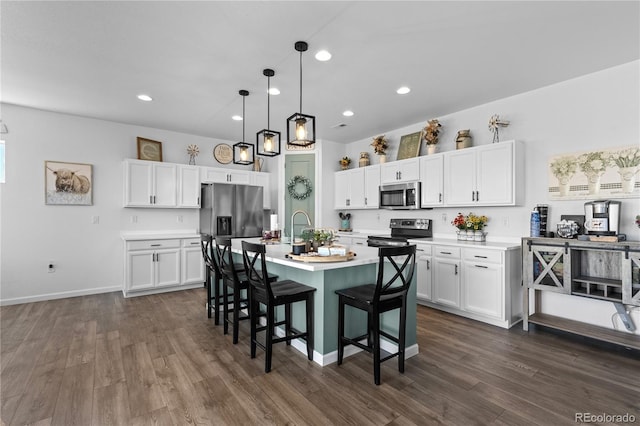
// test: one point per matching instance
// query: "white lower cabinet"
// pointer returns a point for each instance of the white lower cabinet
(424, 277)
(446, 276)
(161, 264)
(472, 280)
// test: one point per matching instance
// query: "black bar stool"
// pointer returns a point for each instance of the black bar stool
(385, 295)
(213, 277)
(273, 294)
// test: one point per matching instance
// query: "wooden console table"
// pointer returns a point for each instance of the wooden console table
(607, 271)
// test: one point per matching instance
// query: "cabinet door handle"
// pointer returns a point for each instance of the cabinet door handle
(477, 196)
(456, 269)
(480, 257)
(198, 200)
(195, 243)
(445, 252)
(428, 265)
(481, 266)
(150, 199)
(419, 249)
(156, 245)
(365, 201)
(473, 196)
(440, 198)
(400, 174)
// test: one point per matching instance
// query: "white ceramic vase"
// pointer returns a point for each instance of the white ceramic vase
(431, 149)
(383, 158)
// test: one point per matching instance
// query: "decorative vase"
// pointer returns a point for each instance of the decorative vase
(364, 159)
(463, 139)
(461, 234)
(594, 183)
(479, 235)
(563, 185)
(628, 178)
(431, 149)
(383, 158)
(470, 235)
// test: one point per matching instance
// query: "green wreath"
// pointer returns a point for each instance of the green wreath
(293, 183)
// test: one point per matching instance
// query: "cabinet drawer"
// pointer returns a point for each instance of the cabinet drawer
(479, 255)
(447, 252)
(153, 244)
(423, 249)
(191, 242)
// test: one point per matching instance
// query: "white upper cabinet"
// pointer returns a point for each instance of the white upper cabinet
(432, 178)
(150, 184)
(357, 188)
(488, 175)
(214, 174)
(400, 171)
(189, 186)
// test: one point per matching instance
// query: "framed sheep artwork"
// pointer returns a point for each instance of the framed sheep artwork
(68, 184)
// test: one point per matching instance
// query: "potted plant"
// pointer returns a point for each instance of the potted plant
(380, 146)
(460, 222)
(344, 162)
(628, 162)
(431, 132)
(470, 227)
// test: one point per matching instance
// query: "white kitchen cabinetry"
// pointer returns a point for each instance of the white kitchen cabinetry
(189, 186)
(481, 281)
(216, 175)
(150, 184)
(162, 264)
(488, 175)
(432, 178)
(357, 188)
(400, 171)
(192, 262)
(446, 276)
(424, 276)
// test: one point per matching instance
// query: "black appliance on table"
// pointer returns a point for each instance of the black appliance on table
(402, 230)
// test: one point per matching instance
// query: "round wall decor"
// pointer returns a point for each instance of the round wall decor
(223, 153)
(293, 187)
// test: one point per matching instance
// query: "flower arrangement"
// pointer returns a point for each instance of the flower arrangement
(431, 131)
(344, 162)
(470, 222)
(593, 162)
(626, 158)
(379, 145)
(564, 167)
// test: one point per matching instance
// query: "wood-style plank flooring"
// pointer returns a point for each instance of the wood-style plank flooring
(158, 360)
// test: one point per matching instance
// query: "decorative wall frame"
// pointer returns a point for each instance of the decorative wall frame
(409, 146)
(605, 173)
(149, 150)
(68, 183)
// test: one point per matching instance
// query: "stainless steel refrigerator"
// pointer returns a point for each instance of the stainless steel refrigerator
(231, 210)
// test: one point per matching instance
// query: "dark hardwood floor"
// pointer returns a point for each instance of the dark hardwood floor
(158, 360)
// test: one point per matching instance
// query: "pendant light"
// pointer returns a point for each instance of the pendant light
(301, 128)
(268, 141)
(242, 151)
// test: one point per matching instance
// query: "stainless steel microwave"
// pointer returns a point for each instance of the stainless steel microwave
(400, 196)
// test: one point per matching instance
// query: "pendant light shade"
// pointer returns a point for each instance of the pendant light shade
(268, 141)
(242, 151)
(301, 128)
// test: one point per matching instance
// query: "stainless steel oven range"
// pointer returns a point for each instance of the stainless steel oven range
(402, 230)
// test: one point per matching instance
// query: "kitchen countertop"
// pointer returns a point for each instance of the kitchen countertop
(158, 235)
(276, 253)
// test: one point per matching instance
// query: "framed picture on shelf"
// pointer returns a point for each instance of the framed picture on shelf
(409, 146)
(68, 184)
(149, 150)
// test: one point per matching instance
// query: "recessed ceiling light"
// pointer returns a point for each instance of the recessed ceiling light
(323, 55)
(145, 98)
(237, 118)
(403, 90)
(274, 91)
(348, 113)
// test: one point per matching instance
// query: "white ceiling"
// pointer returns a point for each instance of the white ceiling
(93, 58)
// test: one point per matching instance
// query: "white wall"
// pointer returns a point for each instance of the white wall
(595, 111)
(89, 258)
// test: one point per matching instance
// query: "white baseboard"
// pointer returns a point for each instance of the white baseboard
(59, 295)
(159, 290)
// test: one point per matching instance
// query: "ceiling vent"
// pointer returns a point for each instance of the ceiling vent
(339, 125)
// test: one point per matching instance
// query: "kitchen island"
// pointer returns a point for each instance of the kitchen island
(326, 278)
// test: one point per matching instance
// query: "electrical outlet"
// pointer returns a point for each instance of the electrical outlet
(179, 218)
(444, 217)
(134, 219)
(505, 220)
(51, 267)
(95, 220)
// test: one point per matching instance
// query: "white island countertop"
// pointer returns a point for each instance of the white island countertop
(276, 253)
